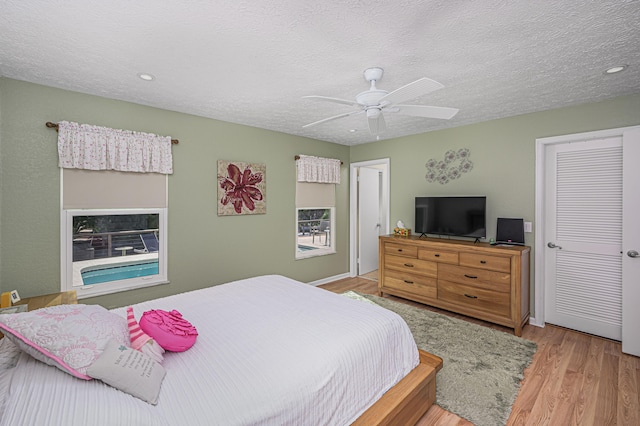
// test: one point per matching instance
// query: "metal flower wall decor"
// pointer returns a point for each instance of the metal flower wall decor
(455, 163)
(242, 188)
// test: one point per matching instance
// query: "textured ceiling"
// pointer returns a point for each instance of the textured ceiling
(251, 62)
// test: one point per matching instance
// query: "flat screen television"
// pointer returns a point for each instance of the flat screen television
(451, 216)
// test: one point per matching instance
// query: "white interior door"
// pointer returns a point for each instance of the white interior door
(583, 236)
(368, 219)
(631, 244)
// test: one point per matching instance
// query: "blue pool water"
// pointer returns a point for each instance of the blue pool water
(120, 272)
(305, 248)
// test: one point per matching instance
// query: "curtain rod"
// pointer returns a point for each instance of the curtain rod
(297, 157)
(55, 126)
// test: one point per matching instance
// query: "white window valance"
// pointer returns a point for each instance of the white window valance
(84, 146)
(318, 169)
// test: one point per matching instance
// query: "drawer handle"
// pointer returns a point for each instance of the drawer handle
(483, 261)
(436, 255)
(408, 265)
(408, 282)
(399, 249)
(470, 276)
(470, 296)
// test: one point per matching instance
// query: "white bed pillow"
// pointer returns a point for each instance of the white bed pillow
(129, 370)
(69, 337)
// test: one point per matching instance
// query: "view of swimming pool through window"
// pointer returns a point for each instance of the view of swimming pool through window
(119, 272)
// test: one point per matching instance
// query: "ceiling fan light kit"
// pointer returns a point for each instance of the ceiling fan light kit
(375, 102)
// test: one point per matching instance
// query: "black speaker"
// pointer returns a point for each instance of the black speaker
(510, 231)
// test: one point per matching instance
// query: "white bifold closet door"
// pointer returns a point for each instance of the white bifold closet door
(583, 271)
(592, 235)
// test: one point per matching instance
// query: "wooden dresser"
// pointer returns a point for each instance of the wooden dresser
(479, 280)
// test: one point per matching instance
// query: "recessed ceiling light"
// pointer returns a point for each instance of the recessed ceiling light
(353, 130)
(614, 70)
(146, 77)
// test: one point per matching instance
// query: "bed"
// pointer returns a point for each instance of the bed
(270, 350)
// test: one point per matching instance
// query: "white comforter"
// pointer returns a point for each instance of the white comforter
(270, 351)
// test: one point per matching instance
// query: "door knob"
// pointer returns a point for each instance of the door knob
(633, 253)
(551, 245)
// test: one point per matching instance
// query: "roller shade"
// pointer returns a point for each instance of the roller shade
(310, 195)
(88, 189)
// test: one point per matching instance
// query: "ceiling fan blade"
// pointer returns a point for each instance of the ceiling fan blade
(412, 90)
(377, 124)
(335, 117)
(335, 100)
(426, 111)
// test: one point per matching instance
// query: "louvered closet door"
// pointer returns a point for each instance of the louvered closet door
(583, 272)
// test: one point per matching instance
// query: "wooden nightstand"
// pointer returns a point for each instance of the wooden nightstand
(37, 302)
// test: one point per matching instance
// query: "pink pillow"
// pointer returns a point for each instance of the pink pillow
(169, 329)
(69, 337)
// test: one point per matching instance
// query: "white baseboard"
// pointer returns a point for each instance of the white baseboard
(329, 279)
(533, 321)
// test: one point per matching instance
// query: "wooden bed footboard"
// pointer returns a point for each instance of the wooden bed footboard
(409, 399)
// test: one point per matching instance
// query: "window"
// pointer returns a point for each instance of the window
(110, 250)
(315, 219)
(314, 236)
(113, 231)
(315, 205)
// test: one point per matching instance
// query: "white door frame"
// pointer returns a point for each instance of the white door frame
(353, 206)
(540, 242)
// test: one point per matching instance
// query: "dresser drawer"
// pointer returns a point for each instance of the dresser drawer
(401, 250)
(492, 263)
(413, 266)
(480, 278)
(476, 298)
(440, 256)
(416, 284)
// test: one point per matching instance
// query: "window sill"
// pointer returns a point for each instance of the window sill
(314, 253)
(102, 290)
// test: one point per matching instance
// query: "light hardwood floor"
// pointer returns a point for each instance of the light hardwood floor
(574, 378)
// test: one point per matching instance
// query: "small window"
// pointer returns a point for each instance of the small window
(315, 236)
(106, 251)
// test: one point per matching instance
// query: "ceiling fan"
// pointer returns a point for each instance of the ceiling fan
(374, 102)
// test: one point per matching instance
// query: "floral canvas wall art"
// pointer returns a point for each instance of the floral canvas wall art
(242, 188)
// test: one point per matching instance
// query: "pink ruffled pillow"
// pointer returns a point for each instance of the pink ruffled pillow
(169, 329)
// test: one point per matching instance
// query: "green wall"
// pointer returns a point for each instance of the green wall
(503, 154)
(204, 249)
